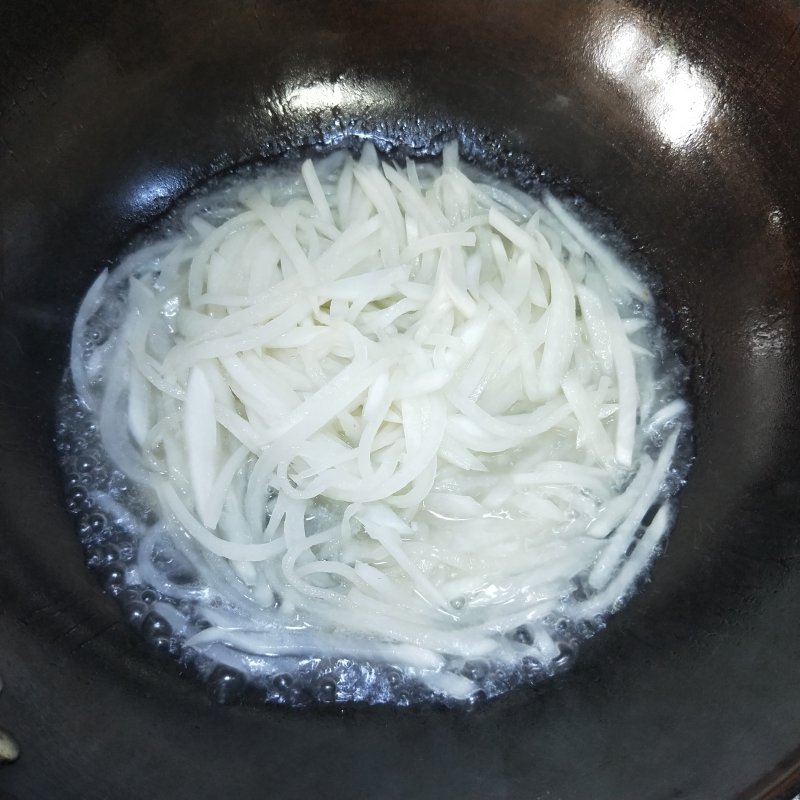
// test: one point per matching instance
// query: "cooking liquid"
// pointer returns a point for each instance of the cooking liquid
(171, 589)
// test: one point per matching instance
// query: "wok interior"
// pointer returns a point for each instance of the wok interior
(680, 128)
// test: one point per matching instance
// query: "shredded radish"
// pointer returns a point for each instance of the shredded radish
(400, 401)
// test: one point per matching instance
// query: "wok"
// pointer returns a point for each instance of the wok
(680, 121)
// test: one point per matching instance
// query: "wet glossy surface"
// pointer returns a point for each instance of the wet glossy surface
(680, 121)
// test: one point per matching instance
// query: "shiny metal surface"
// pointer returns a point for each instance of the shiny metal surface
(680, 121)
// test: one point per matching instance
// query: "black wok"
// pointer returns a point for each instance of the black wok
(680, 121)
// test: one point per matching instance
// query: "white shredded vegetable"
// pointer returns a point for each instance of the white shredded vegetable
(401, 401)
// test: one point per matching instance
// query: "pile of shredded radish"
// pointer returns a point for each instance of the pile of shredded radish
(403, 402)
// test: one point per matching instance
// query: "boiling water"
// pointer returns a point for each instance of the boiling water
(246, 637)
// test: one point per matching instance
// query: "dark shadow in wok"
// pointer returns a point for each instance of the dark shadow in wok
(680, 123)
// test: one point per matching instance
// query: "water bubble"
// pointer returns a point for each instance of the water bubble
(300, 696)
(775, 217)
(154, 626)
(531, 668)
(283, 682)
(126, 549)
(394, 677)
(326, 690)
(161, 644)
(477, 698)
(110, 550)
(95, 523)
(135, 612)
(76, 497)
(100, 474)
(99, 335)
(523, 636)
(475, 670)
(113, 575)
(226, 685)
(85, 464)
(565, 657)
(131, 594)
